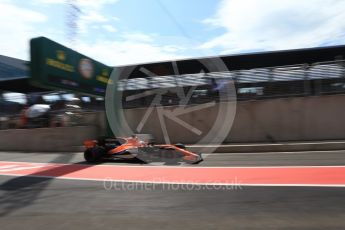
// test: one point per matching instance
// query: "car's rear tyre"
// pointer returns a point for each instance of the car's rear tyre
(94, 155)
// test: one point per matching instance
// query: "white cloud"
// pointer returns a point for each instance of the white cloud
(93, 17)
(89, 18)
(83, 3)
(109, 28)
(90, 12)
(115, 18)
(124, 48)
(130, 51)
(50, 1)
(272, 24)
(94, 4)
(137, 36)
(17, 27)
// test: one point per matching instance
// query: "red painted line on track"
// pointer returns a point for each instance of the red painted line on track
(297, 175)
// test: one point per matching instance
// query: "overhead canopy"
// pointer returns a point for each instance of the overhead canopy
(246, 61)
(14, 76)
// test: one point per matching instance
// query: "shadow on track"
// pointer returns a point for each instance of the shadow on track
(22, 191)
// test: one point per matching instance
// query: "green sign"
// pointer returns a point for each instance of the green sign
(55, 66)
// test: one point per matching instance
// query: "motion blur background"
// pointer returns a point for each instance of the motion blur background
(291, 95)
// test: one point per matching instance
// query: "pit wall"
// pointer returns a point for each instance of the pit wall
(59, 139)
(315, 118)
(46, 139)
(274, 120)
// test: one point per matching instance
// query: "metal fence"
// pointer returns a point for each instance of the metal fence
(251, 84)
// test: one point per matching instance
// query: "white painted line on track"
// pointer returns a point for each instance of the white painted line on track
(274, 153)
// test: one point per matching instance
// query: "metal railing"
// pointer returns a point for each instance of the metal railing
(251, 84)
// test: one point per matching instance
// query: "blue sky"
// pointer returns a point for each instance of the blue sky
(118, 32)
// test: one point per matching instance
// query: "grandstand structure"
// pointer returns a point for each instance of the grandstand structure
(257, 76)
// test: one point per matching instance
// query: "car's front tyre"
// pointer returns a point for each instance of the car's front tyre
(94, 155)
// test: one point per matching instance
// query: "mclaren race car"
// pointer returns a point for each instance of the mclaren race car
(138, 149)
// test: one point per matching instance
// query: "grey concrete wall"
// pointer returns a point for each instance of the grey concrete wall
(97, 119)
(290, 119)
(203, 120)
(274, 120)
(46, 139)
(92, 125)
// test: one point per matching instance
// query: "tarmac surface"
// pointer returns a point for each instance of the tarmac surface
(48, 203)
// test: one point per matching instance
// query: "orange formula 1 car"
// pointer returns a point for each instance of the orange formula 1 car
(137, 148)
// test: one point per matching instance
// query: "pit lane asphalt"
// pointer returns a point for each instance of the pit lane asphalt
(46, 203)
(214, 159)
